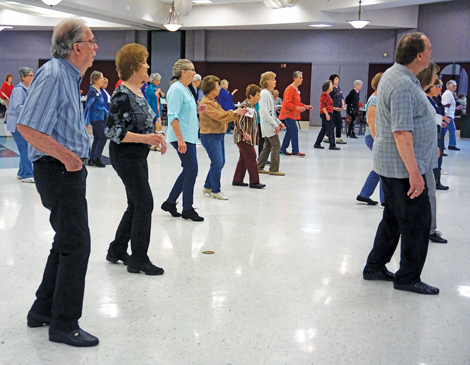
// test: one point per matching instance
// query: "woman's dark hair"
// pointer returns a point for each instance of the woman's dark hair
(209, 83)
(333, 77)
(251, 90)
(326, 85)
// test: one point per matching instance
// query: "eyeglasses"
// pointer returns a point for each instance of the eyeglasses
(93, 41)
(191, 69)
(30, 75)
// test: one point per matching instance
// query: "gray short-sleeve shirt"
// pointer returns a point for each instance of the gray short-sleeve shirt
(402, 105)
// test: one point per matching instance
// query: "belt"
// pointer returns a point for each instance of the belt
(53, 159)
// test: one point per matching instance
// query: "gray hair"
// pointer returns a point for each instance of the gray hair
(24, 71)
(180, 65)
(66, 33)
(451, 83)
(358, 82)
(197, 77)
(154, 76)
(296, 74)
(95, 76)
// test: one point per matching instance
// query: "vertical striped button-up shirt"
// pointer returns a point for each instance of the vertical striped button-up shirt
(53, 107)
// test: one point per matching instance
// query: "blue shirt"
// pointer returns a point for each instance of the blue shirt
(225, 100)
(152, 99)
(94, 107)
(182, 106)
(17, 98)
(53, 107)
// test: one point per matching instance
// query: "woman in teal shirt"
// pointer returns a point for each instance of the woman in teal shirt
(182, 134)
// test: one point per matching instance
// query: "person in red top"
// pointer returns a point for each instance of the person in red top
(326, 112)
(5, 92)
(290, 114)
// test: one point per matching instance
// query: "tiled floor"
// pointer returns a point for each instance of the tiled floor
(283, 287)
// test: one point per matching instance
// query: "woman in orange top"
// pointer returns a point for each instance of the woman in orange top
(290, 114)
(5, 92)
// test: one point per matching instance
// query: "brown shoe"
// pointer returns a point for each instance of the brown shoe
(277, 173)
(263, 171)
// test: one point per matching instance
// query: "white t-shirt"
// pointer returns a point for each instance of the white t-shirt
(448, 98)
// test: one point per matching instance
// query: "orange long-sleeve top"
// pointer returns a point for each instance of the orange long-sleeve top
(290, 102)
(215, 119)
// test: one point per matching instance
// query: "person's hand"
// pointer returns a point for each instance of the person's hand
(416, 185)
(246, 136)
(282, 125)
(155, 139)
(202, 108)
(438, 152)
(444, 124)
(182, 146)
(309, 107)
(300, 109)
(163, 146)
(73, 164)
(337, 109)
(446, 119)
(234, 91)
(327, 116)
(241, 111)
(276, 130)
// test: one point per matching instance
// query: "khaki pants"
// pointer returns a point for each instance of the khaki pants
(271, 145)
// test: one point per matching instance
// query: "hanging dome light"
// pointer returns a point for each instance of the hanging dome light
(359, 23)
(51, 2)
(173, 22)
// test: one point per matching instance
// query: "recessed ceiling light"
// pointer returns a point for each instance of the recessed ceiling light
(320, 25)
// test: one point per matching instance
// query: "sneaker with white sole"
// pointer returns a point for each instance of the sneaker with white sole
(28, 180)
(206, 191)
(219, 196)
(340, 141)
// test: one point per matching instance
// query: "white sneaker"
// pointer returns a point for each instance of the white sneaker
(206, 191)
(28, 180)
(18, 177)
(219, 196)
(443, 172)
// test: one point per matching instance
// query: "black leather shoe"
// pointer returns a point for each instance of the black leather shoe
(384, 275)
(35, 320)
(318, 146)
(444, 154)
(192, 214)
(334, 148)
(353, 136)
(148, 269)
(363, 199)
(420, 288)
(454, 148)
(99, 163)
(112, 257)
(437, 237)
(239, 183)
(77, 338)
(170, 208)
(257, 186)
(441, 187)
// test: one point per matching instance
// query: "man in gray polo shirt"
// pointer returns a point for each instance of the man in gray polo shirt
(404, 148)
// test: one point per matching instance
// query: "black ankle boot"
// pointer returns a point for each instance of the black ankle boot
(170, 208)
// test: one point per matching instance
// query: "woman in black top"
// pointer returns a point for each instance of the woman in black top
(352, 100)
(130, 127)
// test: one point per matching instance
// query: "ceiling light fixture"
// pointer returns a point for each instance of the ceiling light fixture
(279, 4)
(321, 25)
(359, 23)
(51, 2)
(173, 22)
(5, 27)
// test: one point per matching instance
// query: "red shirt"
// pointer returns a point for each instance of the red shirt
(289, 104)
(326, 102)
(7, 89)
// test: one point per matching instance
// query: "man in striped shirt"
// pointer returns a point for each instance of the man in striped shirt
(52, 122)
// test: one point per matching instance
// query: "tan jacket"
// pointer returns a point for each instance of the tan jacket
(215, 119)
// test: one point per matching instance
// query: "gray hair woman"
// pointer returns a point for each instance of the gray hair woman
(17, 99)
(352, 101)
(154, 93)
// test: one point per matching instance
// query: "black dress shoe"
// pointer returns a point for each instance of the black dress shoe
(170, 208)
(192, 214)
(99, 163)
(441, 187)
(318, 146)
(444, 154)
(334, 148)
(112, 257)
(384, 275)
(420, 288)
(257, 186)
(437, 237)
(35, 320)
(353, 136)
(148, 269)
(239, 183)
(454, 148)
(77, 338)
(363, 199)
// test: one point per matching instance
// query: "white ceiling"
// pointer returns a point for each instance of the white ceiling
(222, 14)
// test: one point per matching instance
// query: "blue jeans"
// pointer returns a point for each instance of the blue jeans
(215, 147)
(26, 166)
(186, 180)
(373, 179)
(292, 133)
(452, 129)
